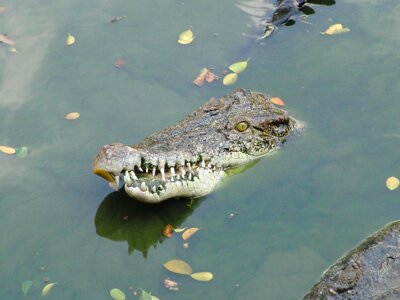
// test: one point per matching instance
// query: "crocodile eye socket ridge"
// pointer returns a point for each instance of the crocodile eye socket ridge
(242, 126)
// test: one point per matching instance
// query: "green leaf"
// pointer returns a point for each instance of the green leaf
(239, 66)
(26, 286)
(145, 295)
(230, 79)
(117, 294)
(178, 266)
(21, 152)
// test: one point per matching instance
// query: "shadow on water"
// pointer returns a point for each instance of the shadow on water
(121, 218)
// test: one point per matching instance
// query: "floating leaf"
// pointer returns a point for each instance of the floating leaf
(6, 40)
(230, 78)
(154, 297)
(188, 233)
(12, 50)
(72, 116)
(70, 40)
(117, 294)
(7, 150)
(47, 288)
(26, 286)
(202, 276)
(21, 152)
(392, 183)
(239, 66)
(180, 229)
(178, 266)
(335, 29)
(277, 101)
(145, 295)
(168, 230)
(186, 37)
(206, 75)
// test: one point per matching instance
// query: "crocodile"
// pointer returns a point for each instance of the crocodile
(192, 157)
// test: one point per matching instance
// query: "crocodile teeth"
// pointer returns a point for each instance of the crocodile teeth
(143, 187)
(189, 166)
(172, 171)
(182, 172)
(162, 171)
(203, 164)
(154, 171)
(190, 176)
(140, 169)
(127, 178)
(153, 189)
(147, 169)
(133, 175)
(114, 185)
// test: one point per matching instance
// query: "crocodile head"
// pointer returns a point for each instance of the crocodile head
(190, 158)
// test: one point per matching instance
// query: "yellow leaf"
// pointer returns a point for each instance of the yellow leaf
(202, 276)
(178, 266)
(188, 233)
(392, 183)
(277, 101)
(186, 37)
(72, 116)
(117, 294)
(239, 66)
(47, 288)
(180, 229)
(7, 150)
(230, 79)
(335, 29)
(70, 40)
(12, 50)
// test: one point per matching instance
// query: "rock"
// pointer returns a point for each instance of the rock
(369, 271)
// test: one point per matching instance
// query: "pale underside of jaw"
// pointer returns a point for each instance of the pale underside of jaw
(196, 179)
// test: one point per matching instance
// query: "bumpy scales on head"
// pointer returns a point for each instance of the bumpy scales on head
(191, 158)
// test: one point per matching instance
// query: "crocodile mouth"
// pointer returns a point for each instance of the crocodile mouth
(155, 183)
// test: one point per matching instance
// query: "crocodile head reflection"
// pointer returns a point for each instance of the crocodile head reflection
(118, 218)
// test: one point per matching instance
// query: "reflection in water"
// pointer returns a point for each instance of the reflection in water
(266, 15)
(121, 218)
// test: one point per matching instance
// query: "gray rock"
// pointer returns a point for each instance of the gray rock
(369, 271)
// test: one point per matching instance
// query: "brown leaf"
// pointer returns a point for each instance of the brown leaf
(206, 75)
(6, 40)
(277, 101)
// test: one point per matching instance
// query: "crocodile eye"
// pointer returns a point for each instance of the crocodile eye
(242, 126)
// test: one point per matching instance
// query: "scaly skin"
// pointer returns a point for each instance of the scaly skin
(190, 158)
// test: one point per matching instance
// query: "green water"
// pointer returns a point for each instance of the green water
(297, 210)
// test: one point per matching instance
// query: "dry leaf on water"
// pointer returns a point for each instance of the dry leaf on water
(117, 294)
(239, 66)
(202, 276)
(7, 150)
(72, 116)
(6, 40)
(205, 75)
(189, 232)
(180, 229)
(230, 78)
(47, 288)
(186, 37)
(335, 29)
(178, 266)
(392, 183)
(277, 101)
(70, 40)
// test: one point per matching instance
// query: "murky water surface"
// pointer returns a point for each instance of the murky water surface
(297, 210)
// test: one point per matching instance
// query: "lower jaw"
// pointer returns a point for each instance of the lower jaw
(201, 185)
